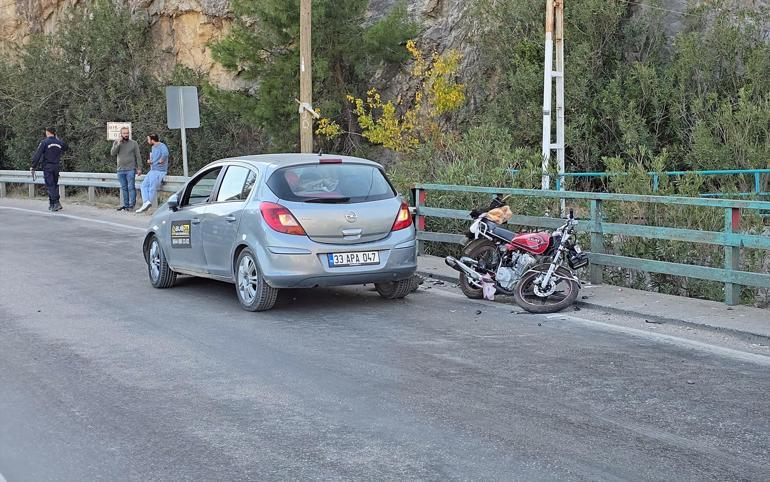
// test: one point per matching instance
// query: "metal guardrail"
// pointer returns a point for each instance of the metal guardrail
(90, 180)
(730, 238)
(756, 174)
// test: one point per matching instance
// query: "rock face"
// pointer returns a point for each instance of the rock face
(182, 28)
(673, 21)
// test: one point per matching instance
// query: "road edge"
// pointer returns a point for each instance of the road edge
(743, 334)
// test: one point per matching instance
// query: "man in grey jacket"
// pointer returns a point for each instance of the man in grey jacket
(129, 162)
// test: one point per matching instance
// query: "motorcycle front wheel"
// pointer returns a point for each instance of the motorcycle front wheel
(531, 297)
(484, 252)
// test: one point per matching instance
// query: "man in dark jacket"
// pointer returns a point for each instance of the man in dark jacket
(48, 155)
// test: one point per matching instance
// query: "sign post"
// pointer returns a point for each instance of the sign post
(183, 113)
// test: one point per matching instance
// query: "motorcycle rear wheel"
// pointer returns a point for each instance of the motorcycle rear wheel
(565, 293)
(481, 250)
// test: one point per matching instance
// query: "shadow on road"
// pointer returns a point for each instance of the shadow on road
(290, 300)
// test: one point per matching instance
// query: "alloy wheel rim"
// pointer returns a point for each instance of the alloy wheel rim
(247, 279)
(155, 261)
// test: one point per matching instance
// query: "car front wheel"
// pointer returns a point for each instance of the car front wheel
(161, 275)
(254, 293)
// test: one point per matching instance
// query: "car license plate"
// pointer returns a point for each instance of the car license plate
(353, 259)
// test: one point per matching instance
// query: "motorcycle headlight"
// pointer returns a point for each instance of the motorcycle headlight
(578, 260)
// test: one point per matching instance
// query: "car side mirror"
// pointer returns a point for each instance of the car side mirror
(173, 202)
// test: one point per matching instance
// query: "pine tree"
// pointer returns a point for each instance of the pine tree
(263, 48)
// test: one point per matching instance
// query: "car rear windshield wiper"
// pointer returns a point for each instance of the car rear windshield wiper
(327, 200)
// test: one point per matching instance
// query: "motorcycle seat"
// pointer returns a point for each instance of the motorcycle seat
(501, 232)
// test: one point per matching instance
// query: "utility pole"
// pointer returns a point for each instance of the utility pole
(554, 34)
(305, 77)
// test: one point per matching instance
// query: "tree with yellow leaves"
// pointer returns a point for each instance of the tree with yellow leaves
(402, 128)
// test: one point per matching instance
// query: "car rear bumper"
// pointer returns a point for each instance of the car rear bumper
(285, 267)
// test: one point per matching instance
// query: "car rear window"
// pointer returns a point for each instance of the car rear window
(330, 183)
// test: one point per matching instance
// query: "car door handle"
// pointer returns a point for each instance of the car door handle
(195, 221)
(230, 219)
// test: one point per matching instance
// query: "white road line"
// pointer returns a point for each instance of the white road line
(728, 352)
(71, 216)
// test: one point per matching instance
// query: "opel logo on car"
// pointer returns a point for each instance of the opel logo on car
(351, 217)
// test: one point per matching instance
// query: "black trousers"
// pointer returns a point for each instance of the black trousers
(51, 176)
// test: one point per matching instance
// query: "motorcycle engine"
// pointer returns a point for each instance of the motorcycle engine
(522, 264)
(508, 276)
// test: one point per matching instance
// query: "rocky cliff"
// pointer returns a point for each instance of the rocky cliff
(182, 28)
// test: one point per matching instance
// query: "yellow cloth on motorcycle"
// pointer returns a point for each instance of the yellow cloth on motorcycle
(500, 215)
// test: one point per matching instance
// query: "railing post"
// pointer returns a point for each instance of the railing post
(597, 240)
(655, 182)
(732, 255)
(3, 192)
(757, 183)
(62, 191)
(31, 188)
(419, 200)
(92, 194)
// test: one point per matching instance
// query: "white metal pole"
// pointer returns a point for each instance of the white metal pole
(559, 44)
(547, 82)
(184, 134)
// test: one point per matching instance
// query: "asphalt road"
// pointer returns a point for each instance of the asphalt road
(103, 377)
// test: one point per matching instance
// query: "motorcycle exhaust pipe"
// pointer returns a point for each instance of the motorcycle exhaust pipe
(462, 266)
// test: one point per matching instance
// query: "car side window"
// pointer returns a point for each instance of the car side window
(200, 191)
(236, 184)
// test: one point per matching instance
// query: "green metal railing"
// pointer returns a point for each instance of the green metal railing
(730, 238)
(755, 174)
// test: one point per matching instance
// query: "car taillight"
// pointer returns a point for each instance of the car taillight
(404, 218)
(280, 219)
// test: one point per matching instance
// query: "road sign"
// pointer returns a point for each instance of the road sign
(182, 107)
(113, 130)
(182, 113)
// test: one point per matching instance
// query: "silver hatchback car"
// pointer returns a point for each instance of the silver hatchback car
(276, 221)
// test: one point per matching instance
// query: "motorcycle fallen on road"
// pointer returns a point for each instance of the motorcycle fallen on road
(537, 269)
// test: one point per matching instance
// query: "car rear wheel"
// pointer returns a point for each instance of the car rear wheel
(161, 275)
(394, 290)
(254, 293)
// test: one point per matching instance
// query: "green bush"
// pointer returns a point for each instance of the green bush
(703, 98)
(99, 68)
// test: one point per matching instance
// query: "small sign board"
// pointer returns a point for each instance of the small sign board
(113, 130)
(182, 107)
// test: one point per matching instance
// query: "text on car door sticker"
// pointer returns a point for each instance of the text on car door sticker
(180, 234)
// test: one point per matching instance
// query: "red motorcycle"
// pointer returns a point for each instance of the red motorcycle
(537, 269)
